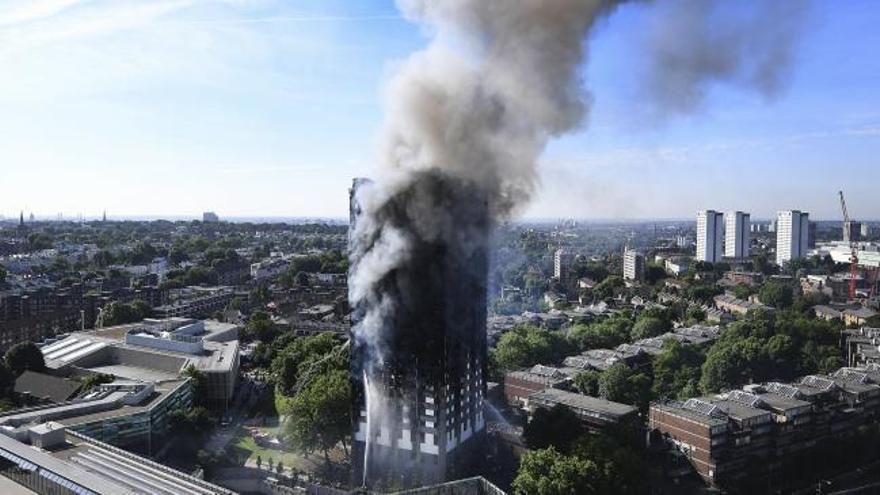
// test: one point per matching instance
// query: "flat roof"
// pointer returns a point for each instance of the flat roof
(679, 410)
(160, 392)
(782, 403)
(583, 402)
(739, 411)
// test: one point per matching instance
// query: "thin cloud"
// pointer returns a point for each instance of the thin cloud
(293, 19)
(35, 10)
(268, 170)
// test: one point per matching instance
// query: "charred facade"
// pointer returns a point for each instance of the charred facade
(418, 369)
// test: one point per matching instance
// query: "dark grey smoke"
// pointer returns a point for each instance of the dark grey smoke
(692, 45)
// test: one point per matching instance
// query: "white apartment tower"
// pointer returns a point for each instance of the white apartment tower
(633, 265)
(710, 236)
(562, 261)
(792, 235)
(737, 226)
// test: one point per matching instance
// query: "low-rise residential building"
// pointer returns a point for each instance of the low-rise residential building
(862, 346)
(196, 302)
(747, 278)
(519, 385)
(676, 266)
(733, 304)
(755, 432)
(595, 413)
(269, 268)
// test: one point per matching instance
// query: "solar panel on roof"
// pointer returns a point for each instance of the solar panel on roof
(851, 375)
(783, 389)
(703, 407)
(817, 382)
(743, 397)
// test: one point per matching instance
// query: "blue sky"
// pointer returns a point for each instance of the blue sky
(269, 108)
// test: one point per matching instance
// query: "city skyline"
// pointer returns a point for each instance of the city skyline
(269, 110)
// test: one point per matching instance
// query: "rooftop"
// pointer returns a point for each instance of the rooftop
(582, 402)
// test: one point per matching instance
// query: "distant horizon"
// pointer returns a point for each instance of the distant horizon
(341, 219)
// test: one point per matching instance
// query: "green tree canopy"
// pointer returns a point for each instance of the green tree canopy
(299, 355)
(765, 346)
(777, 294)
(649, 326)
(587, 382)
(24, 356)
(556, 427)
(621, 384)
(528, 345)
(319, 413)
(547, 472)
(604, 334)
(677, 371)
(120, 313)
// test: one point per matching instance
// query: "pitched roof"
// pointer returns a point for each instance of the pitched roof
(41, 385)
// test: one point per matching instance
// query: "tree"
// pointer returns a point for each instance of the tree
(528, 345)
(677, 371)
(703, 293)
(608, 288)
(587, 382)
(2, 274)
(646, 327)
(654, 273)
(279, 468)
(91, 381)
(319, 413)
(120, 313)
(259, 462)
(620, 384)
(742, 291)
(7, 381)
(547, 472)
(298, 356)
(196, 422)
(260, 326)
(199, 384)
(620, 458)
(777, 294)
(605, 334)
(556, 427)
(24, 356)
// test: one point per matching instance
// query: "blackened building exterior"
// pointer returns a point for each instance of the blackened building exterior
(419, 373)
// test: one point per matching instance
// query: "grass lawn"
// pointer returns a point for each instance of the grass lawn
(246, 443)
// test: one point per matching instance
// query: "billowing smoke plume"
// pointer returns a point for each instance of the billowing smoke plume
(467, 119)
(500, 78)
(693, 44)
(478, 105)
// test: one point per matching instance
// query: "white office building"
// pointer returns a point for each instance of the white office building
(792, 235)
(710, 236)
(737, 228)
(633, 265)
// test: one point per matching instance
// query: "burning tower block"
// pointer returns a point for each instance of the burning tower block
(419, 331)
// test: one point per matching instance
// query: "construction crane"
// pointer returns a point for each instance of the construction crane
(853, 246)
